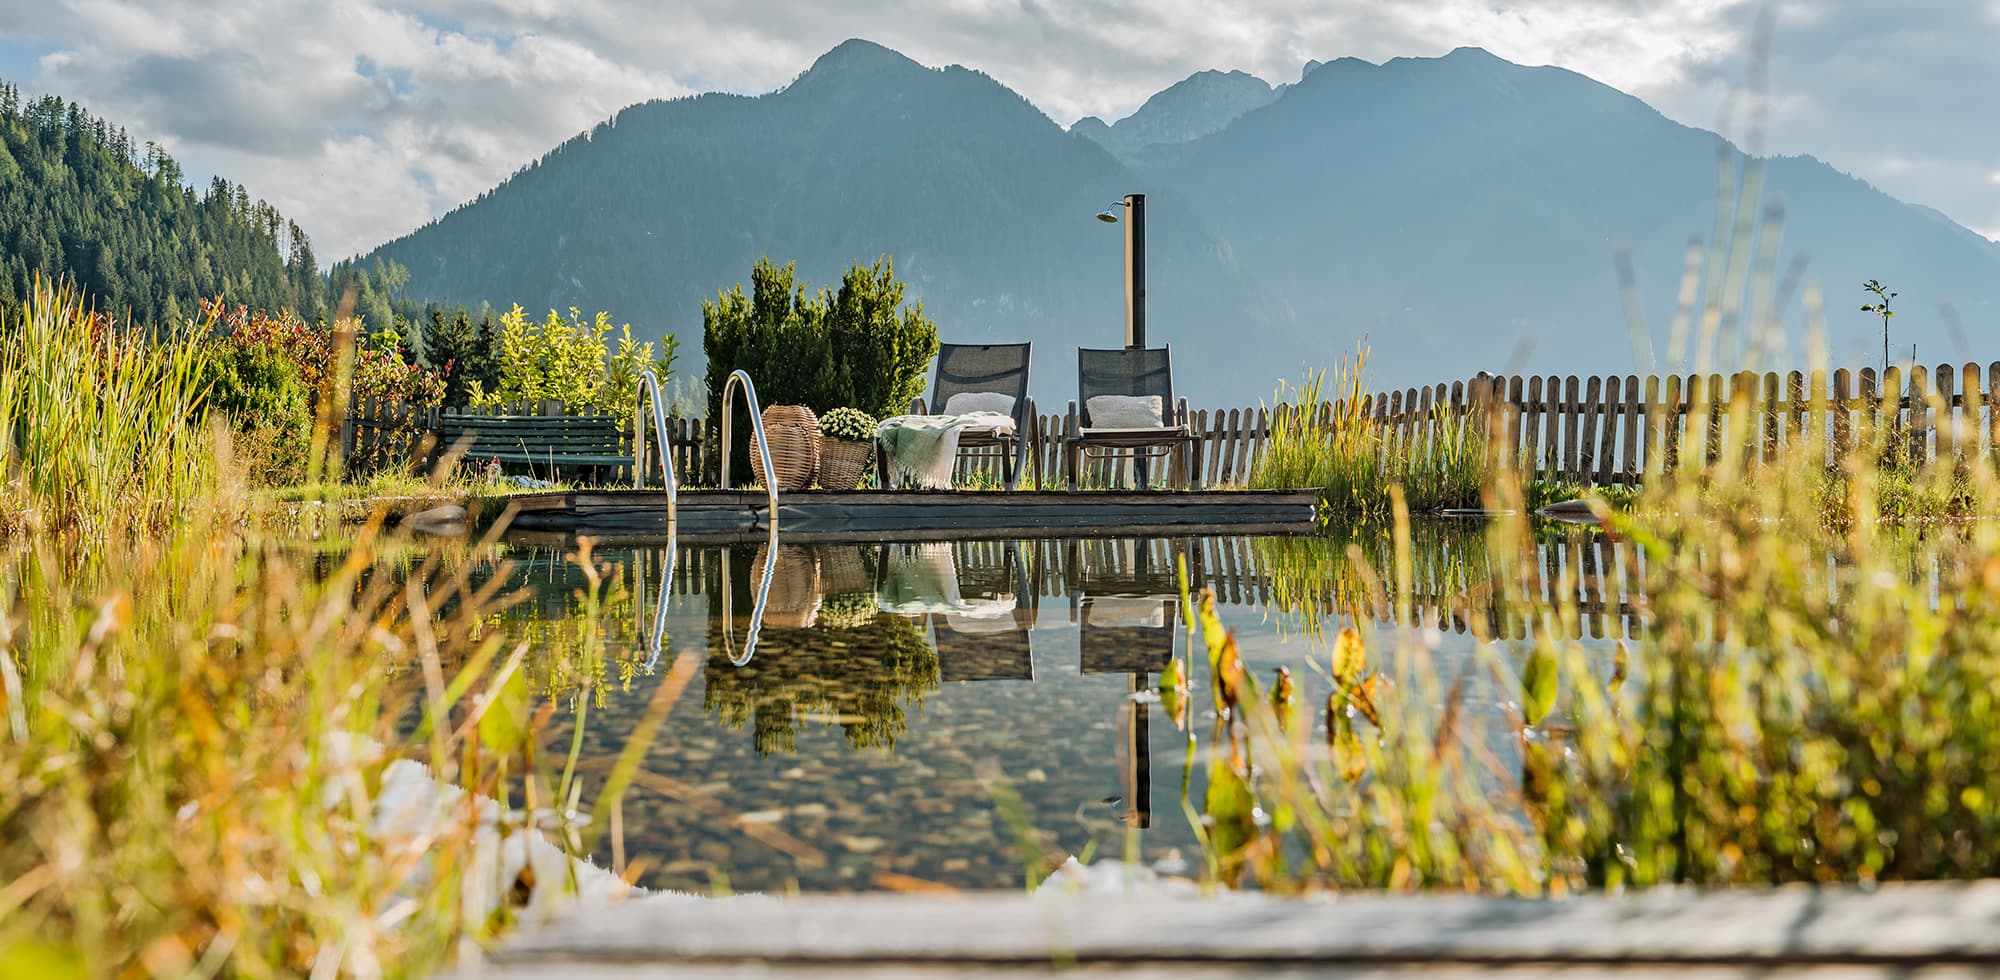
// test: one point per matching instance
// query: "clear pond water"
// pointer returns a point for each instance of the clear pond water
(873, 727)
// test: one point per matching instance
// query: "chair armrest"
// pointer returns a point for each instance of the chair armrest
(1070, 422)
(1028, 427)
(917, 406)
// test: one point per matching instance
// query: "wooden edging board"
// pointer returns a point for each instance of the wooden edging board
(878, 512)
(1892, 929)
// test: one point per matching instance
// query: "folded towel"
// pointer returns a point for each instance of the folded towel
(923, 448)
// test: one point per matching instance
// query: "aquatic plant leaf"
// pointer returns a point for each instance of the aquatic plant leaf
(503, 726)
(1231, 811)
(1619, 670)
(1284, 700)
(1362, 697)
(1537, 772)
(1538, 685)
(1174, 705)
(1350, 656)
(1173, 678)
(1348, 754)
(1232, 681)
(1213, 633)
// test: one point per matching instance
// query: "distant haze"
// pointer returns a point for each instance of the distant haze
(1456, 214)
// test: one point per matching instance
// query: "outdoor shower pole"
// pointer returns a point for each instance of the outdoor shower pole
(1135, 270)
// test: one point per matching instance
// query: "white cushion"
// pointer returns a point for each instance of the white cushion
(966, 402)
(1125, 412)
(1126, 611)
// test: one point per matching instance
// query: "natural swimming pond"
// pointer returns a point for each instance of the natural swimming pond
(897, 714)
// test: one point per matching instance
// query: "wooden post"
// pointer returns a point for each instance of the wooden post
(1918, 402)
(1552, 427)
(1942, 402)
(1586, 453)
(1842, 424)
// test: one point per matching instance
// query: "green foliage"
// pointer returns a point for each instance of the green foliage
(857, 346)
(267, 372)
(848, 423)
(263, 391)
(467, 354)
(79, 200)
(565, 359)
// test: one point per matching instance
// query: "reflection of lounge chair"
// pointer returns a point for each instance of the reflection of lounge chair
(1126, 602)
(982, 371)
(980, 612)
(988, 647)
(1125, 406)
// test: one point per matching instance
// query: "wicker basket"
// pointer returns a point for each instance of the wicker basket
(842, 462)
(793, 602)
(793, 432)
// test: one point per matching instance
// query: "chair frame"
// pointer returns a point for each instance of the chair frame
(1176, 441)
(1019, 450)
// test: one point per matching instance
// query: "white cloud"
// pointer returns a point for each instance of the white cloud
(364, 118)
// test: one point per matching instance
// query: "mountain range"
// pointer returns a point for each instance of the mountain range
(1453, 214)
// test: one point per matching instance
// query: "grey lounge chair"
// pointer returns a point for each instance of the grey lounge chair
(1001, 368)
(1129, 371)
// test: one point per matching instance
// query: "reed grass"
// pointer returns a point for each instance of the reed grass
(1353, 460)
(103, 426)
(194, 734)
(1810, 697)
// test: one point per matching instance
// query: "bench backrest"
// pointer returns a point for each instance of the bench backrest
(557, 434)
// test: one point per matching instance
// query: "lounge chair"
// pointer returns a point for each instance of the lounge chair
(1124, 396)
(985, 369)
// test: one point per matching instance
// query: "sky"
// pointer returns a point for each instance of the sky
(362, 119)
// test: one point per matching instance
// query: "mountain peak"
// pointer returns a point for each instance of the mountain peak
(856, 56)
(1191, 108)
(1471, 53)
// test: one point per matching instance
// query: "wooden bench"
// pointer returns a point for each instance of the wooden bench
(549, 441)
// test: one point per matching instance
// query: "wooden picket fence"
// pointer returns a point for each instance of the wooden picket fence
(1610, 429)
(1602, 429)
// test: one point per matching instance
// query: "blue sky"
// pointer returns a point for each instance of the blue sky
(364, 118)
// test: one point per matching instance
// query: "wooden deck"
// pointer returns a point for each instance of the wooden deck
(1922, 930)
(914, 513)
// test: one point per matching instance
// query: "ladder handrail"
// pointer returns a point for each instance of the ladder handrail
(649, 392)
(741, 379)
(756, 610)
(656, 640)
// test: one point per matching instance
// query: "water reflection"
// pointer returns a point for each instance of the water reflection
(863, 698)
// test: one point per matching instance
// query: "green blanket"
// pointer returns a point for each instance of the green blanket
(922, 448)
